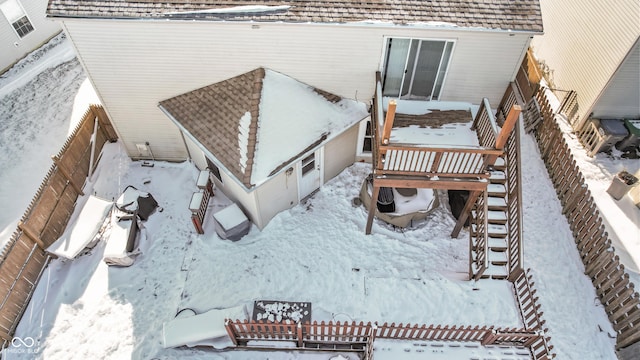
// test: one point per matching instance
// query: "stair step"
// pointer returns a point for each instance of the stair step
(496, 203)
(498, 258)
(500, 164)
(496, 190)
(497, 244)
(497, 177)
(494, 230)
(496, 272)
(494, 216)
(497, 216)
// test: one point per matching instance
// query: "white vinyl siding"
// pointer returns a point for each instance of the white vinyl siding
(277, 194)
(13, 46)
(150, 61)
(584, 43)
(340, 153)
(246, 200)
(621, 98)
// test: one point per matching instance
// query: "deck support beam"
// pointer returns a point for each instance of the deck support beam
(465, 213)
(372, 207)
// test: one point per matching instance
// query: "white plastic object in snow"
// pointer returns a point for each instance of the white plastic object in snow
(231, 223)
(203, 329)
(82, 228)
(124, 233)
(128, 201)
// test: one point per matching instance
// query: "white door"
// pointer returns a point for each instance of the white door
(309, 174)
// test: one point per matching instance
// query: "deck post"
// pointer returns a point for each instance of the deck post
(465, 213)
(388, 122)
(508, 126)
(372, 207)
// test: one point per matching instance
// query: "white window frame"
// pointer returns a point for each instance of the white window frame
(16, 19)
(385, 47)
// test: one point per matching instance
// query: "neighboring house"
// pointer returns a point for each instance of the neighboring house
(592, 47)
(23, 28)
(146, 58)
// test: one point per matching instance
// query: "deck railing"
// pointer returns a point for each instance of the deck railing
(403, 159)
(478, 243)
(513, 184)
(429, 161)
(485, 125)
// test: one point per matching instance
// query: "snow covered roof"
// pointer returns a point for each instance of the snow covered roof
(521, 15)
(257, 123)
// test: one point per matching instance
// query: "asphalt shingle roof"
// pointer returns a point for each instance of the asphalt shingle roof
(257, 123)
(212, 115)
(521, 15)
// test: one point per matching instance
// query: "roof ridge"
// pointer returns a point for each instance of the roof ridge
(254, 109)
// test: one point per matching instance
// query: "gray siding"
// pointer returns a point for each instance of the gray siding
(584, 43)
(149, 61)
(621, 97)
(12, 47)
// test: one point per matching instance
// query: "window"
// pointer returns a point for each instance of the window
(415, 69)
(364, 147)
(214, 170)
(14, 13)
(367, 142)
(308, 164)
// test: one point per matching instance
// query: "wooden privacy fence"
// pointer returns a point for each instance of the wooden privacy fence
(23, 258)
(609, 277)
(359, 337)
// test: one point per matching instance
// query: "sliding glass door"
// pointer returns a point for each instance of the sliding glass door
(415, 69)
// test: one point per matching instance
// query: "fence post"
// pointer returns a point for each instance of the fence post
(299, 335)
(229, 326)
(489, 338)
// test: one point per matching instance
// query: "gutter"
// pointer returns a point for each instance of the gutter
(363, 23)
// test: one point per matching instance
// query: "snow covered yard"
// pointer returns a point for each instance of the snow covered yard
(42, 98)
(316, 252)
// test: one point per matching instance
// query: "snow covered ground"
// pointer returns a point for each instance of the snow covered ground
(42, 98)
(315, 252)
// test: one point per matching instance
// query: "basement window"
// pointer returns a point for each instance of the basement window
(15, 14)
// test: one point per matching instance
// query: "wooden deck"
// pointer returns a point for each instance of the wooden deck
(417, 159)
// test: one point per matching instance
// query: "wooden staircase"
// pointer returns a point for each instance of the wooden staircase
(497, 243)
(496, 216)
